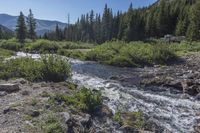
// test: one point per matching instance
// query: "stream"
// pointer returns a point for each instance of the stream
(164, 107)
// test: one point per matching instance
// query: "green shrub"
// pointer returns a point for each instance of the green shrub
(51, 68)
(162, 54)
(55, 68)
(84, 100)
(135, 120)
(11, 44)
(132, 54)
(72, 53)
(42, 46)
(21, 68)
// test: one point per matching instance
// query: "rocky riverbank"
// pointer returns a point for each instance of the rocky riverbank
(183, 76)
(28, 107)
(25, 107)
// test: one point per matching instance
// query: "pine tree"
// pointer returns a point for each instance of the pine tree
(58, 34)
(163, 18)
(181, 27)
(31, 25)
(194, 27)
(91, 27)
(21, 29)
(1, 33)
(107, 24)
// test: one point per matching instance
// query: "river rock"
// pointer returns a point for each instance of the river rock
(9, 88)
(9, 109)
(34, 113)
(197, 97)
(21, 81)
(66, 116)
(3, 93)
(85, 121)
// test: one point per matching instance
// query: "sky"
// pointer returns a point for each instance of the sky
(58, 9)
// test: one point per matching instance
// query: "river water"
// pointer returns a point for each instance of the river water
(164, 107)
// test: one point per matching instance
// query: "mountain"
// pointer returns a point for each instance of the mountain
(42, 25)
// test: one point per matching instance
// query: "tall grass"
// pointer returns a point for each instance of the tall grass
(6, 53)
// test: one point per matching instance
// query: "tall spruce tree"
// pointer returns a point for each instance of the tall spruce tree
(31, 22)
(21, 29)
(194, 27)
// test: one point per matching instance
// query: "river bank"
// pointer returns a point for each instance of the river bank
(27, 107)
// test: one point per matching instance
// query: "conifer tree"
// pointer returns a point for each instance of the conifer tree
(21, 29)
(1, 33)
(194, 27)
(31, 25)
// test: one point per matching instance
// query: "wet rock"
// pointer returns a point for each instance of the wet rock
(174, 83)
(197, 97)
(77, 121)
(25, 93)
(3, 93)
(84, 121)
(114, 78)
(9, 88)
(189, 87)
(185, 96)
(132, 81)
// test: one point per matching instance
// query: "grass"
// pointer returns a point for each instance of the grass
(85, 100)
(52, 125)
(134, 54)
(6, 53)
(51, 68)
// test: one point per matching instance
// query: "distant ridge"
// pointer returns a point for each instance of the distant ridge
(42, 25)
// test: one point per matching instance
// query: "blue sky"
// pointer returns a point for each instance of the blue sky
(58, 9)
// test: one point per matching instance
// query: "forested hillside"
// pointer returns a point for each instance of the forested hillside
(178, 17)
(5, 33)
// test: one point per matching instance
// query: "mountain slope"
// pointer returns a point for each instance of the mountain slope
(42, 25)
(5, 29)
(5, 33)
